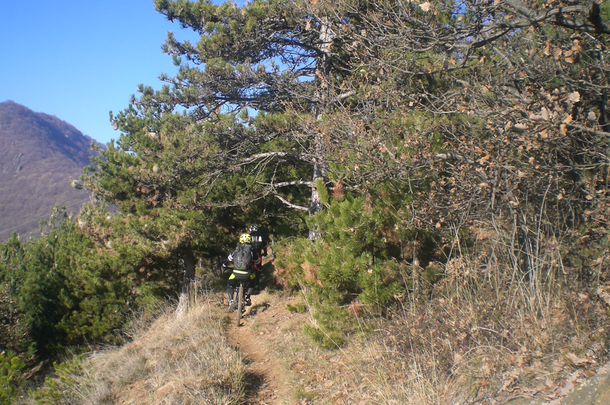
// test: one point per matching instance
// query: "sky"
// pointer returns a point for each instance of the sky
(78, 60)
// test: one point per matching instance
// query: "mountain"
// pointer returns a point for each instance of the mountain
(38, 155)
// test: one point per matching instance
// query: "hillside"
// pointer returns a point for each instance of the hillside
(408, 357)
(38, 154)
(202, 357)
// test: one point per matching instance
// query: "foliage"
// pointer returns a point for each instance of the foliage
(11, 366)
(14, 329)
(55, 389)
(65, 290)
(354, 264)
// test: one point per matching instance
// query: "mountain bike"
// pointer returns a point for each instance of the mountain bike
(241, 300)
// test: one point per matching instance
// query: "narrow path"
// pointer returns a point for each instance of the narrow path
(263, 379)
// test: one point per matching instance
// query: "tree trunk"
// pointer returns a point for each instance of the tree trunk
(188, 263)
(322, 77)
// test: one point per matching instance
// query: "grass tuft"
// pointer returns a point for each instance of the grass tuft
(184, 360)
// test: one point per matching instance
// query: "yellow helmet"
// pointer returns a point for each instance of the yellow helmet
(245, 238)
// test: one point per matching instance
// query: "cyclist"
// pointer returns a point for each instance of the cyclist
(242, 258)
(259, 248)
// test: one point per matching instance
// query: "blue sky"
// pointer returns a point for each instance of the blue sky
(78, 60)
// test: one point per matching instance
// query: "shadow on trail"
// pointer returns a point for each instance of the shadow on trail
(257, 308)
(256, 388)
(259, 384)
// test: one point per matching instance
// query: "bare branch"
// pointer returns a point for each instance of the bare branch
(289, 204)
(261, 156)
(292, 183)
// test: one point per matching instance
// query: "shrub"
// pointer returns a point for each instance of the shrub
(11, 376)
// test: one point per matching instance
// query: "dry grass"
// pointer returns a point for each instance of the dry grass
(177, 360)
(484, 336)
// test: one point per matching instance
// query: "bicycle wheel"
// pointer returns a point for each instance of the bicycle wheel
(240, 301)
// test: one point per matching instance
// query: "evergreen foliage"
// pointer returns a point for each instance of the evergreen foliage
(54, 389)
(11, 366)
(65, 290)
(355, 263)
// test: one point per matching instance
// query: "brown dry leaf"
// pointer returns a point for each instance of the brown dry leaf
(566, 389)
(563, 129)
(558, 366)
(597, 261)
(547, 49)
(574, 97)
(574, 360)
(576, 48)
(603, 295)
(486, 370)
(510, 378)
(425, 6)
(520, 127)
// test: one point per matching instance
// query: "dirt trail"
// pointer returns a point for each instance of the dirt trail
(264, 378)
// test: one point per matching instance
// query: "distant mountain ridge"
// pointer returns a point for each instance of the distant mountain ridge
(38, 154)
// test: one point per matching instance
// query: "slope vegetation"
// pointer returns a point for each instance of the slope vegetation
(38, 155)
(201, 357)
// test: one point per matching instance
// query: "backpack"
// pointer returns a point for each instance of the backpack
(242, 258)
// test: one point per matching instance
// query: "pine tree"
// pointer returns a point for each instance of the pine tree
(65, 290)
(411, 97)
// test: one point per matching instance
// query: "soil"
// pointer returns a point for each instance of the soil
(262, 380)
(261, 326)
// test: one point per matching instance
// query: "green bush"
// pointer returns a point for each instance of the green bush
(352, 265)
(11, 377)
(65, 291)
(66, 384)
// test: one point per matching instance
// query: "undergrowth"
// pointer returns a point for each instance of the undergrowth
(479, 335)
(484, 333)
(175, 359)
